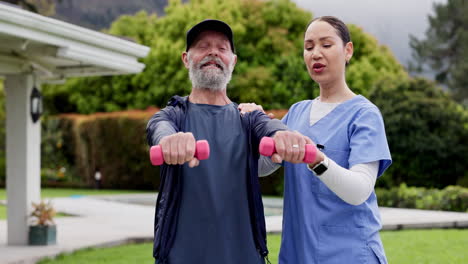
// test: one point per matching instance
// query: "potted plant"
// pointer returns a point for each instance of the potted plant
(42, 231)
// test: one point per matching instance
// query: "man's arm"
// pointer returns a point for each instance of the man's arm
(177, 147)
(266, 166)
(161, 124)
(264, 126)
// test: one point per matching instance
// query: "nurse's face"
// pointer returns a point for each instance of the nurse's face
(325, 54)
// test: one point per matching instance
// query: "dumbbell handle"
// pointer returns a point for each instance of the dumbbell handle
(267, 148)
(202, 152)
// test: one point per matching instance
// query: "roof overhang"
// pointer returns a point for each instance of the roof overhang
(55, 50)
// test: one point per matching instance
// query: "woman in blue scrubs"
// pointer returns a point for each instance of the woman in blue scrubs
(330, 207)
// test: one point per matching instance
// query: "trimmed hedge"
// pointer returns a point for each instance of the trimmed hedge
(451, 198)
(113, 143)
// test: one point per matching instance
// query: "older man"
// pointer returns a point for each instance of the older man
(211, 211)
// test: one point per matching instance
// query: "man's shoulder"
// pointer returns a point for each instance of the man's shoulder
(175, 103)
(177, 100)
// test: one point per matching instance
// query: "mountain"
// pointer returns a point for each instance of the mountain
(99, 14)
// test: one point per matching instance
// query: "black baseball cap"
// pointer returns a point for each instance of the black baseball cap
(209, 24)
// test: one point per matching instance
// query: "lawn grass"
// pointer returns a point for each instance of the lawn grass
(3, 214)
(402, 247)
(59, 192)
(127, 254)
(426, 246)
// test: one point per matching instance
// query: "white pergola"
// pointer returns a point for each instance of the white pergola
(35, 49)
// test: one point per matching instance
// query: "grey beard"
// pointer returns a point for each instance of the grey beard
(212, 79)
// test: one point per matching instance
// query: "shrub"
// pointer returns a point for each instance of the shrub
(451, 198)
(427, 133)
(55, 165)
(113, 143)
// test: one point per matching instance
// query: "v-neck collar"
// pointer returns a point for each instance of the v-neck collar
(336, 109)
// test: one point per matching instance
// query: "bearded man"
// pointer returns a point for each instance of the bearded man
(211, 211)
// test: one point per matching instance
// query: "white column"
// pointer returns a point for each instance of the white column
(23, 157)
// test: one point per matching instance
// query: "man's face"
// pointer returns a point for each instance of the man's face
(210, 61)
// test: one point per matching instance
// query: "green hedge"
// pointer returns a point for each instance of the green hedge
(113, 143)
(451, 198)
(74, 146)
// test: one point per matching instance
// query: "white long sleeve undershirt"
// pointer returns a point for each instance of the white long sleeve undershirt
(353, 186)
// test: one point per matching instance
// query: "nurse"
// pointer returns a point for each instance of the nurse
(330, 207)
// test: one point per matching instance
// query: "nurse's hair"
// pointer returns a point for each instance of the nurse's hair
(340, 27)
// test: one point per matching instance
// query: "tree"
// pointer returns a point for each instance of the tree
(370, 62)
(427, 132)
(445, 48)
(269, 44)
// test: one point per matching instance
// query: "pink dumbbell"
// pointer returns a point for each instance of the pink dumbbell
(202, 152)
(267, 148)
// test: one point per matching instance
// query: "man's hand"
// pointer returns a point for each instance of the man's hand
(250, 107)
(290, 146)
(179, 148)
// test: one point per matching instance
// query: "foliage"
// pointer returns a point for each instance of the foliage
(115, 144)
(451, 198)
(370, 63)
(446, 46)
(43, 213)
(426, 130)
(55, 166)
(89, 142)
(269, 45)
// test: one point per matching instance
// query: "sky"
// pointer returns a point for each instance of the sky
(390, 21)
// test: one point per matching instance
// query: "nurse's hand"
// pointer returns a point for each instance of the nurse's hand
(250, 107)
(178, 149)
(290, 146)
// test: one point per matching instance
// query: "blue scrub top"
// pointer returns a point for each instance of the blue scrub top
(319, 227)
